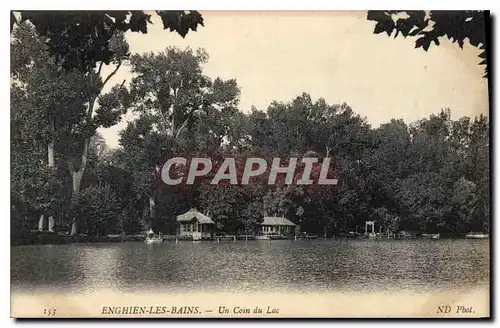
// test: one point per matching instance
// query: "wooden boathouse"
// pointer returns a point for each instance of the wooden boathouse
(196, 225)
(273, 226)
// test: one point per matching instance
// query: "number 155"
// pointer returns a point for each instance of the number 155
(49, 312)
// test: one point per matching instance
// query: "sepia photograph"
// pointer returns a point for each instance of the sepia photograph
(177, 164)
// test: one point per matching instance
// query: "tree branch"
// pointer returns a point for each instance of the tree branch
(181, 127)
(111, 75)
(99, 70)
(119, 88)
(83, 162)
(71, 166)
(94, 98)
(164, 122)
(121, 85)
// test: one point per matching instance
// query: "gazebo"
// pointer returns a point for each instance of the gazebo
(196, 225)
(272, 225)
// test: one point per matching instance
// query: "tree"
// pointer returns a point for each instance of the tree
(253, 207)
(224, 203)
(64, 108)
(171, 87)
(180, 109)
(386, 164)
(51, 97)
(142, 152)
(428, 27)
(470, 146)
(101, 209)
(46, 101)
(426, 200)
(464, 199)
(85, 41)
(82, 39)
(479, 153)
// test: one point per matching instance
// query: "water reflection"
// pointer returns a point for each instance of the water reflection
(319, 265)
(99, 265)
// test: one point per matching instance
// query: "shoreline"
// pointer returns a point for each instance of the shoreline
(57, 238)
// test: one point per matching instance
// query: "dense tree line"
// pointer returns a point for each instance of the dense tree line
(431, 175)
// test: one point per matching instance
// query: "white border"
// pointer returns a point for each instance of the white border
(258, 5)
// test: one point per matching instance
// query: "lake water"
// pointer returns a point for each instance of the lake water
(245, 266)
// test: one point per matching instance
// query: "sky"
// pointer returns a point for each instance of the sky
(278, 55)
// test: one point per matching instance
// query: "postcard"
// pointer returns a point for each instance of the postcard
(250, 164)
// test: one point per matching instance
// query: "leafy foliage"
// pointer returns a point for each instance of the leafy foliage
(100, 209)
(81, 39)
(431, 175)
(428, 27)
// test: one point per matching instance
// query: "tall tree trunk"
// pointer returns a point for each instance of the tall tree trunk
(50, 153)
(41, 223)
(151, 211)
(145, 222)
(51, 163)
(77, 175)
(77, 181)
(51, 224)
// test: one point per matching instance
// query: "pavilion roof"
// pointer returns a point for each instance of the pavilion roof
(274, 221)
(194, 214)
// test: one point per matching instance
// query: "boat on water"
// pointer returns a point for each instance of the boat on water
(152, 239)
(430, 235)
(477, 235)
